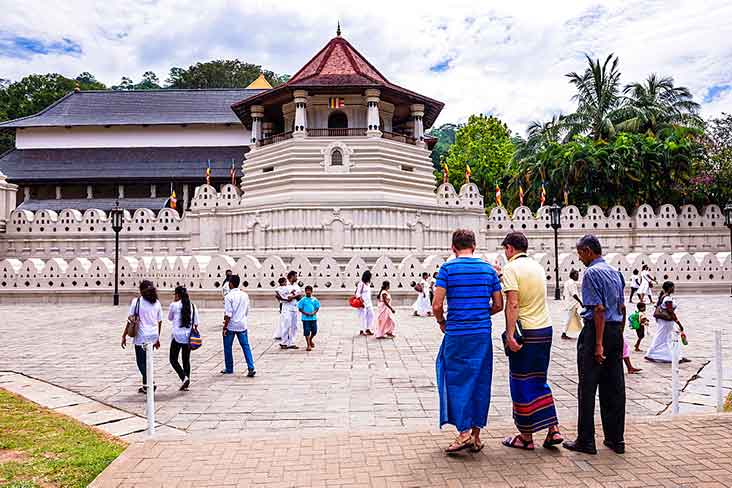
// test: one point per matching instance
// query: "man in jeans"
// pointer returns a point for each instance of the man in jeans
(600, 351)
(236, 310)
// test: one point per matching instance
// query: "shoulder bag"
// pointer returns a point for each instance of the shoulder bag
(133, 321)
(356, 301)
(194, 341)
(661, 312)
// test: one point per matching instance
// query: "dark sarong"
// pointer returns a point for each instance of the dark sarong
(464, 374)
(533, 404)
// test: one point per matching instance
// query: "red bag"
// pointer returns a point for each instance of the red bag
(355, 302)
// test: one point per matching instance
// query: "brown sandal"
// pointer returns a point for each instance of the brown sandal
(552, 439)
(460, 445)
(524, 444)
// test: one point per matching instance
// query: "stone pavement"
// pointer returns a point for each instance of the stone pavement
(694, 451)
(347, 383)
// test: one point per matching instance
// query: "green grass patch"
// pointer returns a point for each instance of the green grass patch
(40, 448)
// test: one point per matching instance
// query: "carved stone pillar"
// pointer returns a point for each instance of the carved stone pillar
(301, 115)
(373, 125)
(257, 115)
(417, 112)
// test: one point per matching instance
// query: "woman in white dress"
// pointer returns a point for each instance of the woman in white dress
(667, 331)
(422, 305)
(366, 313)
(646, 283)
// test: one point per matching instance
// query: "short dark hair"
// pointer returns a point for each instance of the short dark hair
(282, 280)
(291, 274)
(574, 272)
(635, 271)
(517, 240)
(366, 276)
(228, 271)
(148, 291)
(641, 306)
(308, 288)
(463, 239)
(590, 242)
(235, 280)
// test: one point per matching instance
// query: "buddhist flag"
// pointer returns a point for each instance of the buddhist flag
(521, 195)
(542, 198)
(498, 196)
(335, 102)
(232, 173)
(172, 201)
(445, 173)
(468, 173)
(566, 197)
(208, 172)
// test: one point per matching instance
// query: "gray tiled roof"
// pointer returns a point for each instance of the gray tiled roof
(154, 107)
(82, 204)
(100, 164)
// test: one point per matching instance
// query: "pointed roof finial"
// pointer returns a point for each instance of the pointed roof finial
(338, 30)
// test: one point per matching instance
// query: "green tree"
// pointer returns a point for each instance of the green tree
(486, 145)
(33, 93)
(150, 81)
(220, 73)
(657, 103)
(713, 181)
(598, 98)
(445, 135)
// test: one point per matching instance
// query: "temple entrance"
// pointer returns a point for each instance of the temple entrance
(337, 120)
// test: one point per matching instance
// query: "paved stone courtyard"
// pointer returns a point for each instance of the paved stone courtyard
(348, 383)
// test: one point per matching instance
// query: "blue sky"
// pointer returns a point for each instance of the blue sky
(505, 58)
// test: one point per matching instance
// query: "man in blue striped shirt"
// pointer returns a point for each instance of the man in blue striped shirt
(465, 361)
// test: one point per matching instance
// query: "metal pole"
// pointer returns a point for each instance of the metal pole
(115, 298)
(675, 374)
(718, 363)
(150, 407)
(557, 295)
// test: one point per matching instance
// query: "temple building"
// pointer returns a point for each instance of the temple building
(338, 114)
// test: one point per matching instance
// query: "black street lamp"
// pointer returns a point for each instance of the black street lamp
(555, 215)
(728, 223)
(116, 215)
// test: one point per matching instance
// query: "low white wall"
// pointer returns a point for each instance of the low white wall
(133, 136)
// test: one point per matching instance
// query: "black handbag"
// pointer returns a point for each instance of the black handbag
(517, 334)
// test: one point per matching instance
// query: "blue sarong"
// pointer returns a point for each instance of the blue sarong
(533, 403)
(464, 373)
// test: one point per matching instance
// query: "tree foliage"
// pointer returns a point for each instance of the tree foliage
(486, 145)
(713, 181)
(445, 135)
(221, 73)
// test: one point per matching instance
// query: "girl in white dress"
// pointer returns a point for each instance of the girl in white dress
(422, 305)
(366, 313)
(646, 282)
(667, 331)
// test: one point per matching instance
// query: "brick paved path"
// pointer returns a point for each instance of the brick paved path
(691, 452)
(349, 383)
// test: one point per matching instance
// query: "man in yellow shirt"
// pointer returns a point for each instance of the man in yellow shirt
(529, 342)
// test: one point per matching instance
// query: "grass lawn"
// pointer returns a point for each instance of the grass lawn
(40, 448)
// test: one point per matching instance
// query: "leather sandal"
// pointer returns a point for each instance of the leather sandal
(523, 444)
(460, 445)
(553, 439)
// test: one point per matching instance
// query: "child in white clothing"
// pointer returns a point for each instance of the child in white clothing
(281, 293)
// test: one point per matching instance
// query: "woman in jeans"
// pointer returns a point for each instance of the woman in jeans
(182, 314)
(148, 309)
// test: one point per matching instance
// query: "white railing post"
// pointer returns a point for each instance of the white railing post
(150, 407)
(718, 364)
(675, 346)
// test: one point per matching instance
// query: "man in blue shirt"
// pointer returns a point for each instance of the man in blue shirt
(465, 361)
(600, 351)
(309, 306)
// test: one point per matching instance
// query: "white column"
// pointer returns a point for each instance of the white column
(26, 193)
(58, 192)
(373, 126)
(417, 112)
(120, 191)
(185, 197)
(257, 114)
(301, 114)
(89, 192)
(266, 130)
(153, 191)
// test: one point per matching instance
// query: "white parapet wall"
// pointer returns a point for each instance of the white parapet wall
(57, 279)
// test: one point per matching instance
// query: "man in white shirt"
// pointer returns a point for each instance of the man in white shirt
(225, 285)
(572, 303)
(289, 312)
(236, 311)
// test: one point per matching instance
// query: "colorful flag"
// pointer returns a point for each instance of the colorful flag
(498, 196)
(566, 197)
(542, 198)
(521, 195)
(208, 172)
(232, 173)
(468, 173)
(172, 201)
(445, 172)
(335, 102)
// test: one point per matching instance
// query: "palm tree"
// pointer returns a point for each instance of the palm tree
(656, 104)
(598, 99)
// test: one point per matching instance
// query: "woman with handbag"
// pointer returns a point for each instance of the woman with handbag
(667, 325)
(144, 323)
(183, 316)
(366, 312)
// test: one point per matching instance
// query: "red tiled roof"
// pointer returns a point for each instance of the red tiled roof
(337, 63)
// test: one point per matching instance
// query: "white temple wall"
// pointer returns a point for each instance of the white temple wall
(195, 135)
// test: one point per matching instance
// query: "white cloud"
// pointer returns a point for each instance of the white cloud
(507, 58)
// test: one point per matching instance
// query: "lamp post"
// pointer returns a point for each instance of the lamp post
(116, 216)
(728, 223)
(555, 215)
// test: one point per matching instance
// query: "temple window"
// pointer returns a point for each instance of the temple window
(337, 120)
(336, 158)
